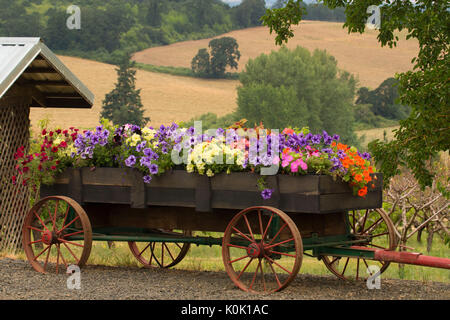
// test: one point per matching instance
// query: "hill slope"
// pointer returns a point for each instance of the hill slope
(360, 54)
(166, 98)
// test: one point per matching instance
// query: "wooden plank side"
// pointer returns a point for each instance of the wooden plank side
(178, 197)
(106, 194)
(327, 185)
(122, 177)
(347, 201)
(304, 184)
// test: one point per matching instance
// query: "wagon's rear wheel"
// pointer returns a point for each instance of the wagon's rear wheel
(56, 232)
(262, 250)
(161, 254)
(378, 229)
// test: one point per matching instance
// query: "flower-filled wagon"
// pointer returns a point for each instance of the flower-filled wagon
(266, 197)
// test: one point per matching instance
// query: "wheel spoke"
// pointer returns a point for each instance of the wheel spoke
(278, 233)
(46, 258)
(71, 252)
(283, 253)
(66, 226)
(277, 264)
(248, 226)
(168, 250)
(35, 229)
(267, 227)
(254, 275)
(240, 258)
(72, 234)
(243, 270)
(54, 216)
(35, 258)
(277, 244)
(236, 246)
(275, 274)
(40, 220)
(243, 235)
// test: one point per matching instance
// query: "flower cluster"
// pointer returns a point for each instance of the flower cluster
(154, 151)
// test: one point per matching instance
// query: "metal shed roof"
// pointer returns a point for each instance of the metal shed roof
(28, 62)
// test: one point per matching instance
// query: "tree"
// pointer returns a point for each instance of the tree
(249, 13)
(383, 100)
(200, 63)
(296, 88)
(425, 89)
(224, 52)
(123, 104)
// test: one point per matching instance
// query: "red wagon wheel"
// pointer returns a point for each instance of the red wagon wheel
(160, 254)
(56, 231)
(378, 229)
(262, 250)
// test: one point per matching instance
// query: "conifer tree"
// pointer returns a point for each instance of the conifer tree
(123, 104)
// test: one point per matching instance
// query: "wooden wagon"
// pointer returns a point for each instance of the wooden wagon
(263, 241)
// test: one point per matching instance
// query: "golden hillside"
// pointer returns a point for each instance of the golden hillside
(166, 98)
(360, 54)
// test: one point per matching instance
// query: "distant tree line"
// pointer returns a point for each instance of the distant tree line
(111, 28)
(317, 11)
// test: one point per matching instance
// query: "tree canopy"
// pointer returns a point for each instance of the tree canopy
(224, 53)
(294, 88)
(123, 104)
(425, 88)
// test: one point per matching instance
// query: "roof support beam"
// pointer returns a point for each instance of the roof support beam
(40, 70)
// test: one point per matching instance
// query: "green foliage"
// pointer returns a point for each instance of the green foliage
(224, 53)
(112, 28)
(383, 100)
(294, 88)
(123, 104)
(249, 13)
(425, 89)
(200, 63)
(212, 121)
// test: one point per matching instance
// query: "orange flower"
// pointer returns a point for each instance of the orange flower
(358, 177)
(362, 192)
(341, 146)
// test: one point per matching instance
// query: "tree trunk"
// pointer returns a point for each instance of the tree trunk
(430, 239)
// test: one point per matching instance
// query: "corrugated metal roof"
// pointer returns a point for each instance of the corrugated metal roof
(28, 61)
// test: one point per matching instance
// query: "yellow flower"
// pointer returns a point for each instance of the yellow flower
(209, 173)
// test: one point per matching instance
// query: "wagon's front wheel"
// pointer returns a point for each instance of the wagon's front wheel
(56, 232)
(262, 250)
(377, 229)
(161, 254)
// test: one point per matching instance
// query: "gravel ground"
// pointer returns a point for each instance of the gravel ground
(18, 281)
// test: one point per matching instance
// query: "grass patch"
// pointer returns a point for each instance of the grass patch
(205, 258)
(181, 71)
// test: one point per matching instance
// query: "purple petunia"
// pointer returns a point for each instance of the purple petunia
(266, 194)
(147, 179)
(130, 161)
(316, 139)
(153, 168)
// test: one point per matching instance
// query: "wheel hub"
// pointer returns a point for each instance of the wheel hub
(49, 237)
(255, 250)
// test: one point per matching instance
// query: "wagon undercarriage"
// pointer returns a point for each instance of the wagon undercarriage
(262, 245)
